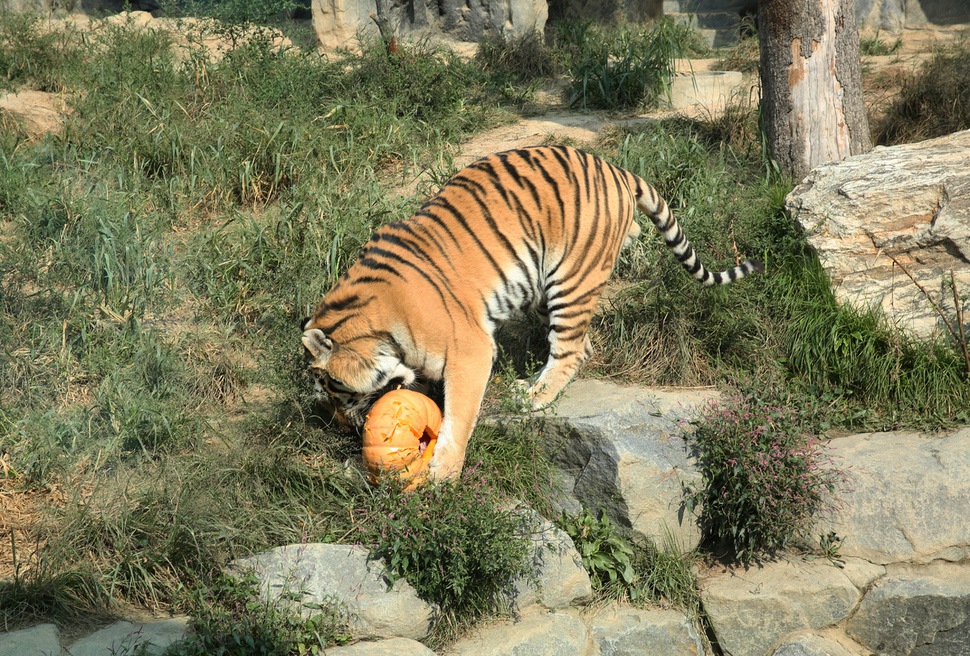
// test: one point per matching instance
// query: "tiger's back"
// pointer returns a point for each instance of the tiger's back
(535, 228)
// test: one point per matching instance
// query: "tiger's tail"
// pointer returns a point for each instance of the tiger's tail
(653, 205)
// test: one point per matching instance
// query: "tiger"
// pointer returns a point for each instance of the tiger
(531, 229)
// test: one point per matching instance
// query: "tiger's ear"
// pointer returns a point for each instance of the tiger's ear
(319, 345)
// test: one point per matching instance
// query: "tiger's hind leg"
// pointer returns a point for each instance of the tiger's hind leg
(569, 348)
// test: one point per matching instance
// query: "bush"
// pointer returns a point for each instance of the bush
(33, 54)
(606, 554)
(522, 58)
(458, 542)
(229, 619)
(624, 69)
(766, 476)
(620, 568)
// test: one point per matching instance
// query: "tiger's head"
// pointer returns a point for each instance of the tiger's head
(353, 375)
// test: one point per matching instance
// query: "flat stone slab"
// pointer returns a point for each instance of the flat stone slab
(327, 573)
(40, 640)
(622, 630)
(810, 644)
(127, 638)
(390, 647)
(708, 90)
(753, 609)
(542, 634)
(907, 497)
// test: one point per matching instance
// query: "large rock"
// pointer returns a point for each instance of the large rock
(917, 610)
(323, 573)
(337, 22)
(40, 640)
(557, 578)
(751, 610)
(126, 638)
(539, 634)
(622, 450)
(389, 647)
(811, 644)
(624, 631)
(875, 219)
(906, 498)
(881, 15)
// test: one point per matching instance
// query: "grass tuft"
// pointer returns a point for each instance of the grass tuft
(934, 100)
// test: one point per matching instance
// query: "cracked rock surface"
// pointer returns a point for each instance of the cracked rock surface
(890, 225)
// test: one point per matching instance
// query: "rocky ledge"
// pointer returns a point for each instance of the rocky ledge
(900, 587)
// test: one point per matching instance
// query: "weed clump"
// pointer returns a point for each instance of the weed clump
(229, 618)
(622, 68)
(522, 58)
(622, 568)
(766, 476)
(458, 543)
(935, 100)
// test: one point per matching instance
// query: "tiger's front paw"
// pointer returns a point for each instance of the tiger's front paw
(444, 465)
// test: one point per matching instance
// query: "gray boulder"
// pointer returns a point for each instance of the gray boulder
(322, 573)
(558, 578)
(337, 22)
(917, 610)
(751, 610)
(877, 219)
(624, 631)
(40, 640)
(621, 450)
(389, 647)
(906, 498)
(536, 634)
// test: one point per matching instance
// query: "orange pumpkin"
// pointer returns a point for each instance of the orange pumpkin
(400, 435)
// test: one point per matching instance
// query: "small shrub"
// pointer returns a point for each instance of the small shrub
(521, 58)
(230, 619)
(458, 543)
(607, 555)
(35, 55)
(621, 568)
(626, 69)
(745, 56)
(766, 477)
(873, 46)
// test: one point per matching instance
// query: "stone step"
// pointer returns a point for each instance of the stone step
(717, 29)
(119, 638)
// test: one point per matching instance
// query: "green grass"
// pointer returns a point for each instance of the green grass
(665, 329)
(156, 258)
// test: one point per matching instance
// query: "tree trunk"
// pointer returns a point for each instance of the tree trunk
(382, 18)
(811, 83)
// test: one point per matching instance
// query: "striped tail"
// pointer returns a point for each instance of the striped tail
(651, 204)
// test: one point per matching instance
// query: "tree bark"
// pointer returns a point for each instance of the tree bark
(382, 18)
(811, 83)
